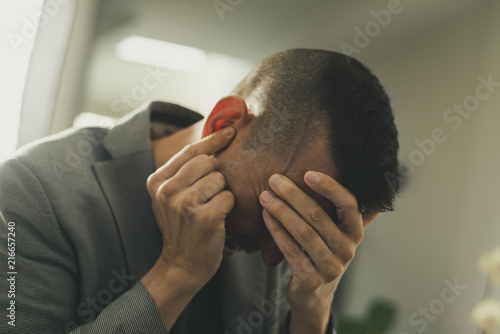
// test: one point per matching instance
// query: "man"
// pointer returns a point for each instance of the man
(138, 228)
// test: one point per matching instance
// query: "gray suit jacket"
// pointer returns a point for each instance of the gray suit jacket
(84, 234)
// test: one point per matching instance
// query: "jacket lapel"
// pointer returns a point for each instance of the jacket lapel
(123, 182)
(123, 179)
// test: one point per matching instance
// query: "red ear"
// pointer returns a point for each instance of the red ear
(227, 111)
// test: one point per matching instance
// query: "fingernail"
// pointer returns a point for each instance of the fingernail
(312, 177)
(228, 132)
(266, 214)
(266, 196)
(276, 179)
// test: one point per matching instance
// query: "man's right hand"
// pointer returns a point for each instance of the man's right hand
(190, 206)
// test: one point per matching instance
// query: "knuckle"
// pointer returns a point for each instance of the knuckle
(190, 151)
(310, 282)
(351, 203)
(350, 253)
(321, 254)
(359, 237)
(316, 215)
(223, 206)
(329, 187)
(206, 215)
(151, 183)
(188, 200)
(314, 282)
(333, 244)
(292, 250)
(347, 251)
(288, 190)
(165, 191)
(307, 233)
(219, 178)
(341, 247)
(333, 272)
(330, 275)
(229, 201)
(208, 192)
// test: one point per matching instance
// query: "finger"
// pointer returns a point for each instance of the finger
(208, 186)
(220, 206)
(208, 145)
(299, 262)
(350, 221)
(188, 174)
(304, 205)
(193, 170)
(319, 248)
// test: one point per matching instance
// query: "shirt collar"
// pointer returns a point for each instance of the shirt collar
(133, 133)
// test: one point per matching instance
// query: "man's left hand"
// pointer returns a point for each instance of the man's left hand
(317, 248)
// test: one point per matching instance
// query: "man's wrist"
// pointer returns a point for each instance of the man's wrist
(316, 322)
(171, 290)
(180, 274)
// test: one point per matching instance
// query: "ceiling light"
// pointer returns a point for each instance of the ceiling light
(154, 52)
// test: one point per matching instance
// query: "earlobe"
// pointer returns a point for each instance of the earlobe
(227, 112)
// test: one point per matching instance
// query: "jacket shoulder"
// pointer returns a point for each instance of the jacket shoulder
(69, 151)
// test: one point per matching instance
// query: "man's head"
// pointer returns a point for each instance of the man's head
(301, 110)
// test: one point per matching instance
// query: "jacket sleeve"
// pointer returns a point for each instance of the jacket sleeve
(41, 284)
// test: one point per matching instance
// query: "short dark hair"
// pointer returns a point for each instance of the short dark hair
(318, 89)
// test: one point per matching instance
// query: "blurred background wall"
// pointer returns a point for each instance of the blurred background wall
(449, 211)
(430, 55)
